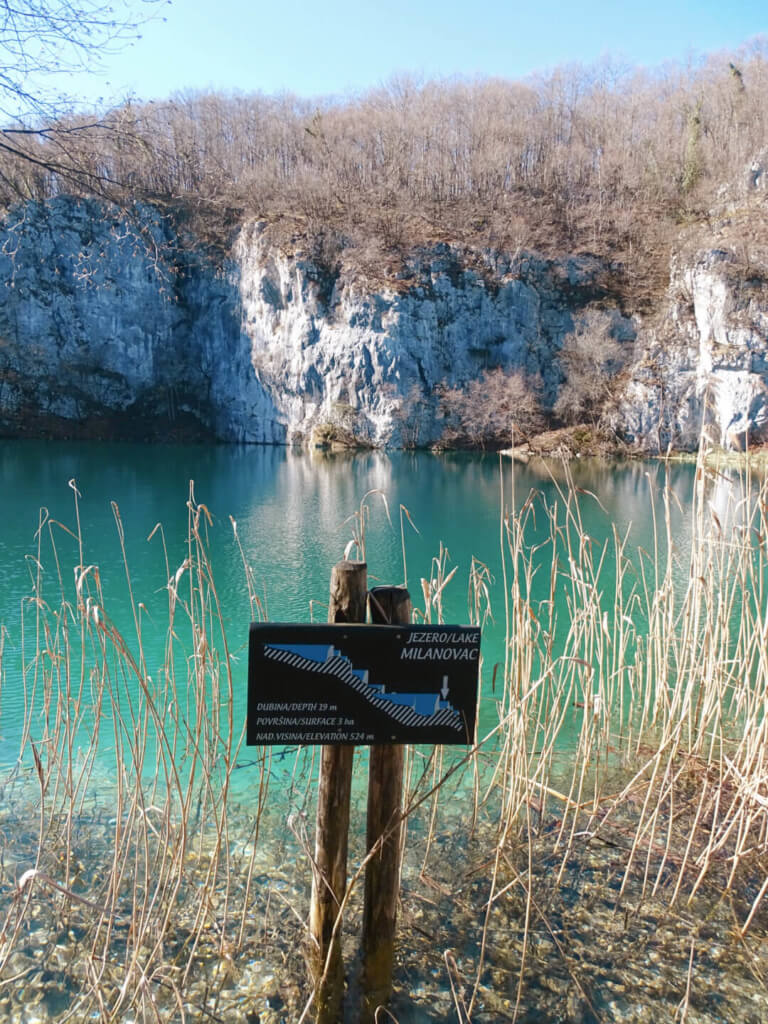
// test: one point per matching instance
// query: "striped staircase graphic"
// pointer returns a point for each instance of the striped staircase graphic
(329, 661)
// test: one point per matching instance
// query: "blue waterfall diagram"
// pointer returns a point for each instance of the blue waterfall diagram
(409, 709)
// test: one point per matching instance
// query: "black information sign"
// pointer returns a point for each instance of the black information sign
(362, 684)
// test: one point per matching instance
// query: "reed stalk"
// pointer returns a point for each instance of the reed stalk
(625, 724)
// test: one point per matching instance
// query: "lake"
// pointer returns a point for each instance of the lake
(592, 625)
(295, 514)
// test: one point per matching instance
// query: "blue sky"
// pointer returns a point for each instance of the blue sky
(342, 46)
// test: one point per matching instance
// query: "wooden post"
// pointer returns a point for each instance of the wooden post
(389, 605)
(349, 582)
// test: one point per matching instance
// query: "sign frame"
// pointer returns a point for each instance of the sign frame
(362, 684)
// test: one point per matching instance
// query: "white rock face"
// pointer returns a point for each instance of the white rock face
(114, 330)
(327, 349)
(102, 333)
(757, 173)
(706, 366)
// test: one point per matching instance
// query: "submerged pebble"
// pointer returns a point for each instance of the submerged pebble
(599, 946)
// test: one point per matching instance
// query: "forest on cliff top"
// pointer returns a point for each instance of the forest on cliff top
(603, 159)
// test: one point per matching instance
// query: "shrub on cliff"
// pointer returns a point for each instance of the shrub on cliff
(344, 427)
(497, 408)
(590, 359)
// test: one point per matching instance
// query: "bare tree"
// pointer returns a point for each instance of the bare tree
(600, 158)
(590, 359)
(492, 411)
(43, 39)
(409, 413)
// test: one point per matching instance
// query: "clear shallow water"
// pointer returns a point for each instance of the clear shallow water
(295, 516)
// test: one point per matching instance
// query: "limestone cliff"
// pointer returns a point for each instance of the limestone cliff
(703, 364)
(109, 327)
(329, 348)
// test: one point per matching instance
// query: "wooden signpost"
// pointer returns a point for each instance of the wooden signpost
(349, 586)
(344, 684)
(390, 605)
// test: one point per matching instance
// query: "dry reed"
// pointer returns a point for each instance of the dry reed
(624, 741)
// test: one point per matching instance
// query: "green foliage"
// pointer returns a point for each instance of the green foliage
(692, 165)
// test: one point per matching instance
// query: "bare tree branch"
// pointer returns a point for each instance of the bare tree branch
(42, 39)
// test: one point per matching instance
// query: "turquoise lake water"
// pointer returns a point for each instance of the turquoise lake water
(292, 511)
